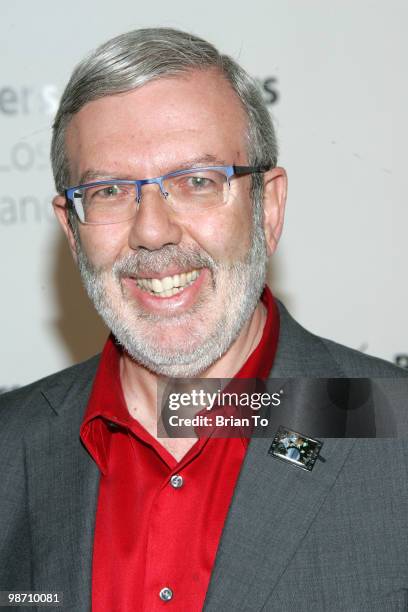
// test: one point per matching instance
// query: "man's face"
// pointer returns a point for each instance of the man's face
(162, 127)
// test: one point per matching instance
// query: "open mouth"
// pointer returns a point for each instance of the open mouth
(169, 285)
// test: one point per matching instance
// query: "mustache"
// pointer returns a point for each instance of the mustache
(147, 262)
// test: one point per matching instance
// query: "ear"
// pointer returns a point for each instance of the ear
(275, 190)
(61, 212)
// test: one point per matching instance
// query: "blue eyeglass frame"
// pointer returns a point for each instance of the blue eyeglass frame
(230, 171)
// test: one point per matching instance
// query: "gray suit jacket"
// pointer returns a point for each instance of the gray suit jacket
(335, 538)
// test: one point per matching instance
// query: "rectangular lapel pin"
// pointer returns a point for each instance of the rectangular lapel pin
(296, 448)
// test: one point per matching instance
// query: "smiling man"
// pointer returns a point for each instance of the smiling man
(169, 193)
(191, 233)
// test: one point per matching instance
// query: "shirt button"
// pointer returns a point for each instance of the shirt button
(166, 594)
(176, 481)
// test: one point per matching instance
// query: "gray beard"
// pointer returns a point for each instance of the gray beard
(242, 281)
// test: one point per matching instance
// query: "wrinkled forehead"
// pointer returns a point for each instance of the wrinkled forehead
(155, 127)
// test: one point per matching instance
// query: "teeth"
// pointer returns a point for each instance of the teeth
(169, 285)
(157, 285)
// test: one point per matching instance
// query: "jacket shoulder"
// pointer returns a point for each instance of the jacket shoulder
(302, 353)
(357, 364)
(30, 400)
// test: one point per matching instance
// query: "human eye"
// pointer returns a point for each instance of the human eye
(196, 189)
(108, 192)
(198, 182)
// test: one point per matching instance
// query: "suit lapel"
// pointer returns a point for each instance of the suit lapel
(62, 491)
(274, 502)
(273, 507)
(300, 353)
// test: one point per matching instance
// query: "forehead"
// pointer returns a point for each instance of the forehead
(164, 123)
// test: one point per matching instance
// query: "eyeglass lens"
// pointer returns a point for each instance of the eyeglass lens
(187, 192)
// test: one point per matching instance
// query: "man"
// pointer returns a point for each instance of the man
(164, 159)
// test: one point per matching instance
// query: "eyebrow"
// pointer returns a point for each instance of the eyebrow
(102, 175)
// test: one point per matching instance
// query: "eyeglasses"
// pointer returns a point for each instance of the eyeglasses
(186, 191)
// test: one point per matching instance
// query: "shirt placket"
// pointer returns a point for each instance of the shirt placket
(167, 530)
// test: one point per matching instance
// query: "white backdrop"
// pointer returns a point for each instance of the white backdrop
(341, 85)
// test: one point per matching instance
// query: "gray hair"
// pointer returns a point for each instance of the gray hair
(140, 56)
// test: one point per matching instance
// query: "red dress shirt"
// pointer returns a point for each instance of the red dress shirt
(159, 521)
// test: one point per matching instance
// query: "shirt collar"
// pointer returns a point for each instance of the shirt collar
(260, 362)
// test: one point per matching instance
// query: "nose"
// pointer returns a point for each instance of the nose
(155, 224)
